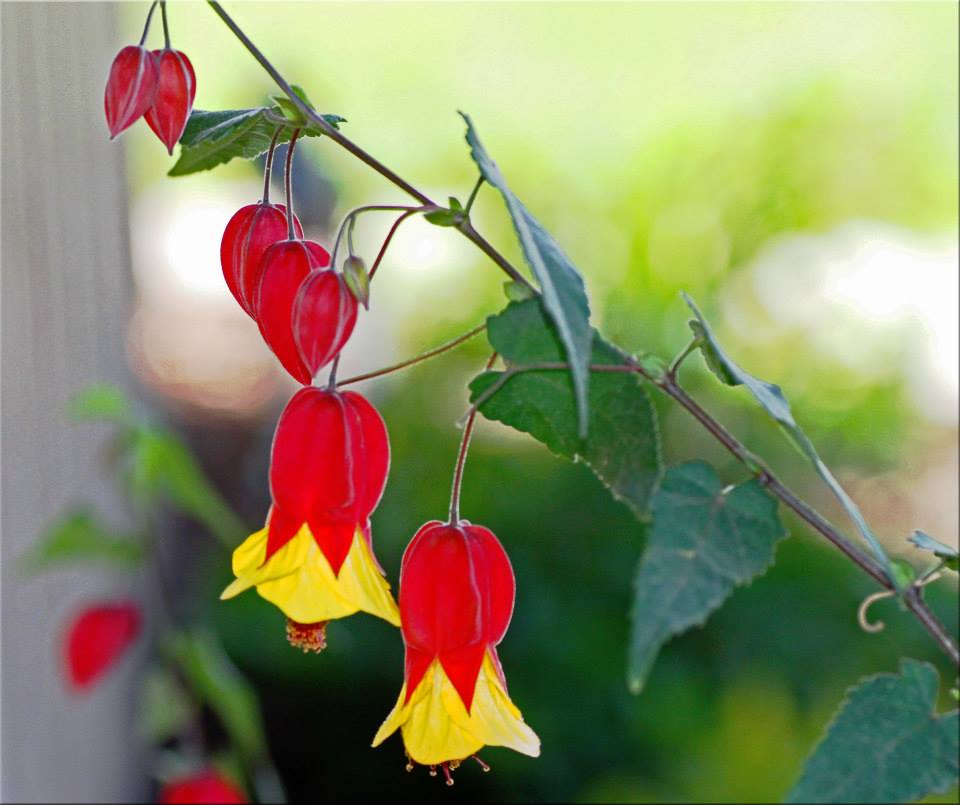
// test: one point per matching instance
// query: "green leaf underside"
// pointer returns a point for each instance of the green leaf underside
(214, 138)
(623, 445)
(925, 542)
(79, 536)
(100, 401)
(771, 399)
(885, 743)
(216, 682)
(164, 468)
(705, 540)
(165, 711)
(564, 295)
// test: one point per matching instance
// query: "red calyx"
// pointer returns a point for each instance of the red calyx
(131, 88)
(324, 315)
(206, 787)
(97, 638)
(249, 233)
(328, 468)
(456, 600)
(176, 88)
(283, 267)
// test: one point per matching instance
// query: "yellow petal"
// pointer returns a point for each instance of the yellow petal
(436, 726)
(494, 719)
(250, 569)
(393, 721)
(299, 580)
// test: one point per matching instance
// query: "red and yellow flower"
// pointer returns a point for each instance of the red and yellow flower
(314, 558)
(456, 600)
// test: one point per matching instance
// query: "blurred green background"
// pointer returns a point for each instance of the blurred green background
(792, 166)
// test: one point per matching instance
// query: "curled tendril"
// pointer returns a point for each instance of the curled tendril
(878, 626)
(867, 626)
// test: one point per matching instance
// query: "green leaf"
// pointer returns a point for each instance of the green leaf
(904, 574)
(705, 540)
(443, 217)
(774, 403)
(564, 294)
(79, 536)
(214, 138)
(165, 710)
(216, 682)
(101, 401)
(164, 467)
(623, 446)
(516, 292)
(885, 744)
(925, 542)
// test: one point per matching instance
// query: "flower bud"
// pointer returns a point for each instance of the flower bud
(97, 638)
(282, 269)
(206, 786)
(131, 88)
(249, 233)
(357, 279)
(324, 315)
(176, 88)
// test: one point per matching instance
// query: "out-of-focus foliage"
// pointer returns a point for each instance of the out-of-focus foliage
(667, 147)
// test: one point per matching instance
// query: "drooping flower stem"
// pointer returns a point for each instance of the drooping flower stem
(288, 184)
(146, 27)
(423, 356)
(268, 168)
(166, 27)
(462, 458)
(348, 222)
(389, 237)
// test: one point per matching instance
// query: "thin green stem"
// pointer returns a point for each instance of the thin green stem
(693, 346)
(146, 27)
(166, 27)
(344, 142)
(423, 356)
(473, 196)
(288, 185)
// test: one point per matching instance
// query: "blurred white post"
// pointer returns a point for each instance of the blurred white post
(66, 290)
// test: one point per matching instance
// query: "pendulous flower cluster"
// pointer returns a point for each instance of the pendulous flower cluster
(157, 85)
(314, 556)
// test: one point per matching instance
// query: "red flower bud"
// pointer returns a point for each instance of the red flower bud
(283, 267)
(249, 233)
(176, 88)
(131, 87)
(97, 638)
(328, 468)
(324, 314)
(206, 787)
